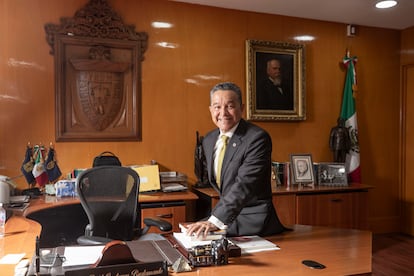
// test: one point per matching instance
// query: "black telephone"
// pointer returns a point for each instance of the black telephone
(32, 192)
(200, 167)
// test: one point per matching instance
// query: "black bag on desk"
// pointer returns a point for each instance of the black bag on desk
(106, 158)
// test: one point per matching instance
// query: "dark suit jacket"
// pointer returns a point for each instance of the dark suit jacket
(269, 97)
(245, 203)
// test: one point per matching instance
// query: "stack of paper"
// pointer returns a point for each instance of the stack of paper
(172, 187)
(252, 244)
(81, 255)
(189, 241)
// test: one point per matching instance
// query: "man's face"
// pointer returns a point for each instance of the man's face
(302, 166)
(226, 110)
(273, 69)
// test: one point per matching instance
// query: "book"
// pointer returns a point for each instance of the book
(253, 244)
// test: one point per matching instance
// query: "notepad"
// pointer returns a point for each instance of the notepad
(253, 244)
(81, 255)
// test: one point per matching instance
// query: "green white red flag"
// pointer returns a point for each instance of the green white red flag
(39, 171)
(349, 114)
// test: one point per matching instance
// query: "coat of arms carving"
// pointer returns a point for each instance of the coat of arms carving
(98, 75)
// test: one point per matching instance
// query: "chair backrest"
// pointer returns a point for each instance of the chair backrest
(109, 196)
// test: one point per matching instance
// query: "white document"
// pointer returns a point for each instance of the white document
(81, 255)
(252, 244)
(188, 241)
(11, 258)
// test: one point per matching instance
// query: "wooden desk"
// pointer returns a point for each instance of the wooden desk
(47, 201)
(20, 238)
(342, 251)
(335, 206)
(63, 219)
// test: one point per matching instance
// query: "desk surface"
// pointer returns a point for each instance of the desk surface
(342, 251)
(296, 189)
(20, 238)
(46, 201)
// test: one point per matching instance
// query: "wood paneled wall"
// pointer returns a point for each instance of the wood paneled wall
(407, 133)
(210, 48)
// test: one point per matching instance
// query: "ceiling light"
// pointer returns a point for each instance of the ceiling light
(161, 25)
(304, 38)
(386, 4)
(167, 45)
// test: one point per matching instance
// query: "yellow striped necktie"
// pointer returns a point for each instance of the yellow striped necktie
(225, 139)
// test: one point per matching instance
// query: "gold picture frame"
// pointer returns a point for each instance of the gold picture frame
(275, 100)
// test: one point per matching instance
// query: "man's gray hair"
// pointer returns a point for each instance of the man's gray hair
(227, 86)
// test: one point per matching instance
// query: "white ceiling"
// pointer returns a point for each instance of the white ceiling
(358, 12)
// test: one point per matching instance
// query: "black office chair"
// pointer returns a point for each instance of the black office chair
(109, 196)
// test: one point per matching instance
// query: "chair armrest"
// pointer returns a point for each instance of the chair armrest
(161, 224)
(92, 240)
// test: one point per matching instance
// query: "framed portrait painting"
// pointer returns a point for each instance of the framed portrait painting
(302, 168)
(275, 81)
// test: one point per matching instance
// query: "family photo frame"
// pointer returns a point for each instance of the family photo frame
(275, 81)
(332, 174)
(302, 168)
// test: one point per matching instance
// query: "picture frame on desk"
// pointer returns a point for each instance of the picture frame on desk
(332, 174)
(302, 168)
(280, 173)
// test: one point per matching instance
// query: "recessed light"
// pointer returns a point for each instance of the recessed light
(386, 4)
(304, 38)
(161, 25)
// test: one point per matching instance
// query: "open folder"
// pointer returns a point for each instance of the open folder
(149, 177)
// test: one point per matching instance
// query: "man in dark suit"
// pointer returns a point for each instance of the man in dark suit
(272, 92)
(245, 206)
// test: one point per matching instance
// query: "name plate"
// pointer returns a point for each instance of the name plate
(141, 269)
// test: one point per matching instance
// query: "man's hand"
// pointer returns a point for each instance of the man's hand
(201, 228)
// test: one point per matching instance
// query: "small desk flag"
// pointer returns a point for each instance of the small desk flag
(27, 167)
(52, 168)
(39, 171)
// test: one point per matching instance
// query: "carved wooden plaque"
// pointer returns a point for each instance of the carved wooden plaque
(97, 75)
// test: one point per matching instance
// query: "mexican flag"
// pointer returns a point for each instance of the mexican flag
(348, 113)
(39, 171)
